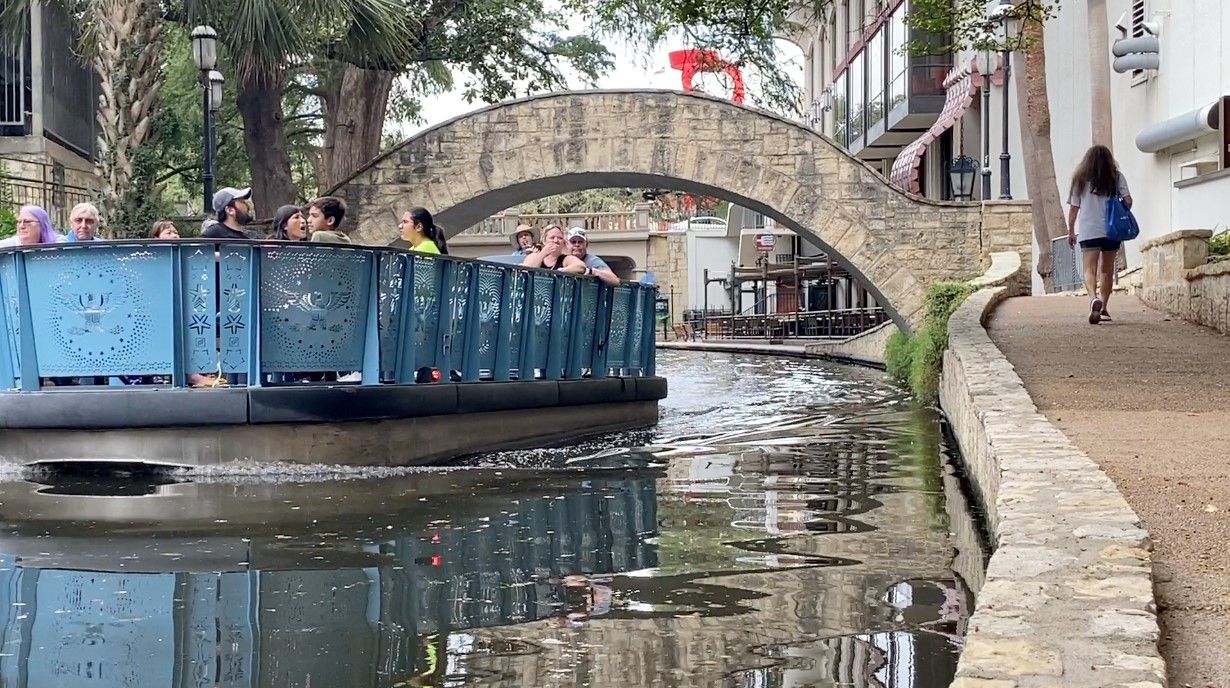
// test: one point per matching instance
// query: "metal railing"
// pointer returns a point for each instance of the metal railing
(54, 197)
(249, 309)
(801, 325)
(13, 77)
(622, 221)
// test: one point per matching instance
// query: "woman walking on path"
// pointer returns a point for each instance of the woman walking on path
(1096, 180)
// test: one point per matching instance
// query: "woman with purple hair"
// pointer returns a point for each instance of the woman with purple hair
(33, 227)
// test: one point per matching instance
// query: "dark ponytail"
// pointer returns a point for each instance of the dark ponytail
(423, 218)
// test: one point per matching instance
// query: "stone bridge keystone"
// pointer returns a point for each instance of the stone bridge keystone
(476, 165)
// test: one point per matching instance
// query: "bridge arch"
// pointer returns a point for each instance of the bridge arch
(478, 164)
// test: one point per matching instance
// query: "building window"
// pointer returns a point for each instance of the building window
(858, 101)
(841, 98)
(875, 79)
(897, 61)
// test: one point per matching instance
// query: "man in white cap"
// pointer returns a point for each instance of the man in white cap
(233, 210)
(578, 244)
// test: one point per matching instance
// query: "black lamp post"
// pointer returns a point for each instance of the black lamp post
(961, 172)
(205, 56)
(1006, 16)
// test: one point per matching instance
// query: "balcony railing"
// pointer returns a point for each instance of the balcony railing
(253, 310)
(55, 197)
(801, 325)
(622, 221)
(13, 76)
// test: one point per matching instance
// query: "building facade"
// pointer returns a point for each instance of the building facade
(911, 116)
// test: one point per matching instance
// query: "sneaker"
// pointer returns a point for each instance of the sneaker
(1095, 311)
(1106, 315)
(356, 376)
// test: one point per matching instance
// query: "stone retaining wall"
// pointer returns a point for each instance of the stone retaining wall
(1177, 278)
(1068, 598)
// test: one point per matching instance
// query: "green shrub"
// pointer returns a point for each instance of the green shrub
(8, 222)
(1219, 244)
(916, 359)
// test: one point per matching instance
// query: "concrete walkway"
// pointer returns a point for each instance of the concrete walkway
(1148, 398)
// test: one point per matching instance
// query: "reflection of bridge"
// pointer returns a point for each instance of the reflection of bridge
(269, 317)
(479, 164)
(495, 562)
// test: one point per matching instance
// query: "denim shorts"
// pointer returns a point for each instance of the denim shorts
(1100, 244)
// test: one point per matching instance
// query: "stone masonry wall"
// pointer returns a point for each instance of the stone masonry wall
(479, 164)
(1006, 226)
(1068, 598)
(1176, 278)
(668, 260)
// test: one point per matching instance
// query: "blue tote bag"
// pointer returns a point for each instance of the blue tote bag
(1121, 225)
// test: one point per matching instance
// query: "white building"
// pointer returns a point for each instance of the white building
(909, 116)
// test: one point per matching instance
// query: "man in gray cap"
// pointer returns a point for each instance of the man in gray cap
(578, 244)
(233, 210)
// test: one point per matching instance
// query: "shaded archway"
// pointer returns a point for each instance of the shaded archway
(473, 166)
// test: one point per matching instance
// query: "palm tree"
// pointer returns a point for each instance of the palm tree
(123, 42)
(272, 43)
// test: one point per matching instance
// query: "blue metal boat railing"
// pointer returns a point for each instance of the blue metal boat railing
(254, 310)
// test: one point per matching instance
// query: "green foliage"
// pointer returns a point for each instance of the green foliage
(952, 25)
(916, 360)
(8, 209)
(1219, 244)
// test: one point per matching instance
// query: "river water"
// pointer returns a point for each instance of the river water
(788, 523)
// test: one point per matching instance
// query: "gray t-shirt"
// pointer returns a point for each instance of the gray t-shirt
(1091, 216)
(592, 261)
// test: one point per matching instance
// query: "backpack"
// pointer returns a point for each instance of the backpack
(1120, 224)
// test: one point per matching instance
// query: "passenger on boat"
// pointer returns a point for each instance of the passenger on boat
(324, 220)
(578, 244)
(289, 224)
(163, 229)
(419, 229)
(33, 227)
(84, 221)
(524, 242)
(554, 254)
(233, 209)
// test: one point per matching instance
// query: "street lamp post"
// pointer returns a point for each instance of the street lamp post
(205, 56)
(1005, 15)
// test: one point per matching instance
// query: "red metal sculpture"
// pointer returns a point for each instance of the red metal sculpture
(692, 61)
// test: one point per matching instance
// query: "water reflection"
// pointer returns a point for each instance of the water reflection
(794, 530)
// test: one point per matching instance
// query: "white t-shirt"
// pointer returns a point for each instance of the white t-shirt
(1091, 216)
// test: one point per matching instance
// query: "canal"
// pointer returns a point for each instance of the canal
(788, 523)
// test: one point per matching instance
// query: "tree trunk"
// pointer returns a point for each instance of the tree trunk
(128, 62)
(1099, 74)
(1034, 104)
(260, 104)
(354, 121)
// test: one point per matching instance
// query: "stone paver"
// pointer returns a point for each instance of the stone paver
(1148, 398)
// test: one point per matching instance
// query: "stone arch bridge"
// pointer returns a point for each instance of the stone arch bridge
(476, 165)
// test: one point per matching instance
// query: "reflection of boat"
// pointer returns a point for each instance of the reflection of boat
(352, 594)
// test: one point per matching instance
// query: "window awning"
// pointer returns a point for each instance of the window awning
(962, 85)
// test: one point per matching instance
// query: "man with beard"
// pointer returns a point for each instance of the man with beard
(233, 211)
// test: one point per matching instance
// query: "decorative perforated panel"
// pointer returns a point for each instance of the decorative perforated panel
(426, 308)
(314, 309)
(200, 308)
(234, 307)
(8, 291)
(637, 327)
(618, 339)
(589, 316)
(392, 270)
(544, 295)
(568, 285)
(517, 299)
(102, 312)
(459, 297)
(490, 294)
